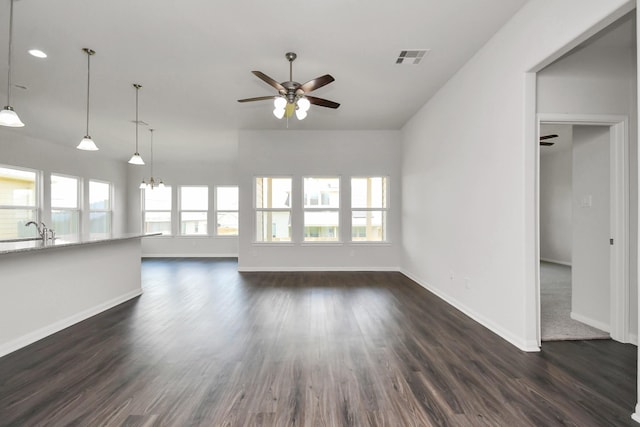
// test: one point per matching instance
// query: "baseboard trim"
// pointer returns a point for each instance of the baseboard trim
(591, 322)
(198, 255)
(293, 269)
(555, 261)
(41, 333)
(528, 346)
(636, 415)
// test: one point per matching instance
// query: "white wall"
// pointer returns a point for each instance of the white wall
(590, 291)
(556, 195)
(174, 174)
(317, 153)
(601, 79)
(467, 166)
(17, 149)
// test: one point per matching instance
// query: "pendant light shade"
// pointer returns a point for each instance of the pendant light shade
(87, 143)
(8, 117)
(136, 159)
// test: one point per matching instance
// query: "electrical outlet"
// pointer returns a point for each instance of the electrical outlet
(452, 275)
(467, 283)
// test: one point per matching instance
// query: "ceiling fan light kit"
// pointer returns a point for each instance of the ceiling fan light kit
(292, 96)
(8, 116)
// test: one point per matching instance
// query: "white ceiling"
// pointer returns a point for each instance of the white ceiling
(194, 58)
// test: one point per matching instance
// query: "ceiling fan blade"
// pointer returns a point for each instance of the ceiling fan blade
(322, 102)
(547, 144)
(542, 138)
(262, 76)
(316, 83)
(259, 98)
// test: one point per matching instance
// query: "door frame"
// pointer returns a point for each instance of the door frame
(618, 214)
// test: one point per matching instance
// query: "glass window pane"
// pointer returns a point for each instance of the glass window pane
(99, 195)
(17, 187)
(227, 198)
(157, 222)
(273, 226)
(65, 222)
(369, 192)
(227, 224)
(158, 199)
(193, 223)
(368, 226)
(64, 192)
(194, 198)
(321, 226)
(100, 224)
(322, 192)
(273, 193)
(12, 223)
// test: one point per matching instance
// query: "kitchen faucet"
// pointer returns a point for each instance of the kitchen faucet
(43, 231)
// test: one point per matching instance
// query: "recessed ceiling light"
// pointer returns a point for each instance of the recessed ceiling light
(37, 53)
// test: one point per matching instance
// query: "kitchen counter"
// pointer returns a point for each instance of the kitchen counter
(45, 288)
(30, 245)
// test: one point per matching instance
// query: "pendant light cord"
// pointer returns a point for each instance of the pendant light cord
(151, 130)
(88, 86)
(137, 122)
(9, 54)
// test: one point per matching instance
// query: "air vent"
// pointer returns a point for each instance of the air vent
(411, 56)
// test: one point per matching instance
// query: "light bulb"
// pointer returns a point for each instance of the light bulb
(279, 102)
(143, 185)
(161, 185)
(301, 114)
(279, 112)
(304, 104)
(8, 117)
(87, 144)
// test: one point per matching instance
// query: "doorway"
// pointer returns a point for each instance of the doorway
(599, 212)
(575, 223)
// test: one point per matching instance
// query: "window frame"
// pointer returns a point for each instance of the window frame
(384, 210)
(37, 208)
(180, 211)
(107, 211)
(79, 202)
(216, 210)
(320, 208)
(257, 210)
(144, 210)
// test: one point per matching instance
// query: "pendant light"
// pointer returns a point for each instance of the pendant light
(152, 182)
(136, 159)
(8, 116)
(87, 143)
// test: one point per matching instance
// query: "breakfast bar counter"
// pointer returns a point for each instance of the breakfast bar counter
(47, 287)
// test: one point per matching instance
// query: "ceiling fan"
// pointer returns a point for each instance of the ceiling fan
(293, 96)
(544, 140)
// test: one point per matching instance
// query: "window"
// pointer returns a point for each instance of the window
(65, 205)
(18, 202)
(157, 210)
(194, 206)
(99, 209)
(227, 210)
(369, 209)
(321, 209)
(273, 209)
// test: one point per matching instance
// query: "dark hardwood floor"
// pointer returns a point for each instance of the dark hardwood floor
(208, 346)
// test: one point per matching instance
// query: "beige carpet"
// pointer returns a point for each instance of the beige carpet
(555, 307)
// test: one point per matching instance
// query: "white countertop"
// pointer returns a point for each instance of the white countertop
(36, 245)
